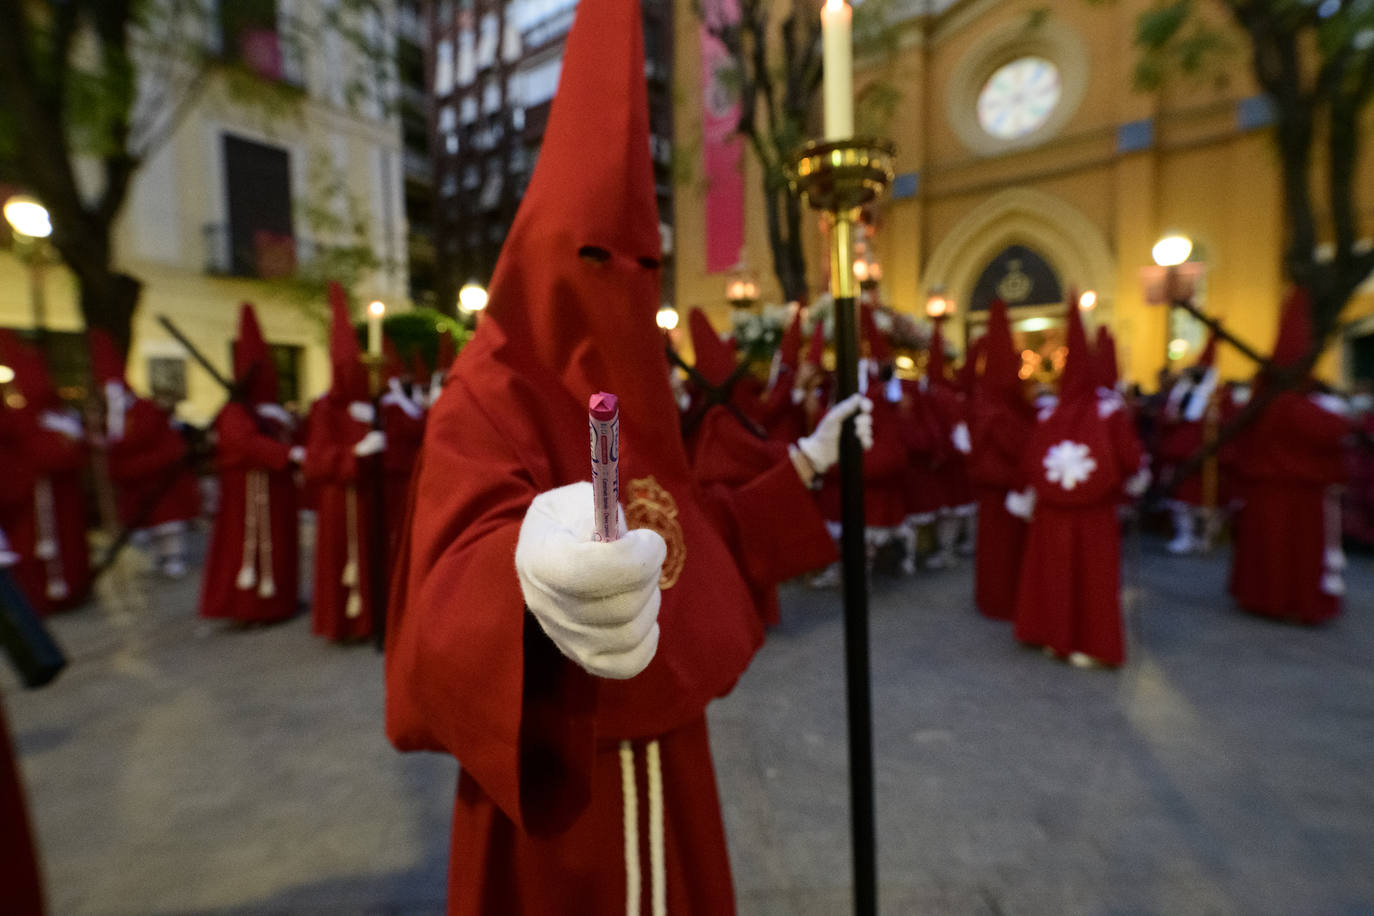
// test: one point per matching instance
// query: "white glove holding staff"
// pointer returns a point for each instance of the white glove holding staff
(597, 601)
(822, 447)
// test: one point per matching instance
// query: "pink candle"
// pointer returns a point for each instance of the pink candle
(603, 414)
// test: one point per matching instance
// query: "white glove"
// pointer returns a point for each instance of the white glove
(276, 412)
(822, 447)
(297, 454)
(362, 411)
(1021, 503)
(371, 444)
(960, 437)
(7, 557)
(60, 422)
(597, 601)
(1138, 483)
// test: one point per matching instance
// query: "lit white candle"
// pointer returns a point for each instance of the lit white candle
(837, 45)
(375, 311)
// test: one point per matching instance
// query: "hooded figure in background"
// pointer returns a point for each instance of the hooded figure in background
(782, 412)
(347, 533)
(1077, 462)
(403, 421)
(47, 529)
(155, 487)
(1287, 561)
(572, 684)
(1000, 429)
(953, 496)
(1190, 408)
(252, 567)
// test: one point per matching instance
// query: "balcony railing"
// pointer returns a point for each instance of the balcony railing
(551, 28)
(270, 254)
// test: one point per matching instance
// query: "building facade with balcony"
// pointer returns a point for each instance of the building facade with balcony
(285, 171)
(496, 65)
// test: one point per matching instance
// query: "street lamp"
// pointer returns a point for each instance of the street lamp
(28, 217)
(938, 305)
(1172, 250)
(742, 292)
(472, 297)
(1088, 301)
(31, 224)
(667, 317)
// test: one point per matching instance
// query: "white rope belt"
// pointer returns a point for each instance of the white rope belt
(46, 547)
(257, 536)
(657, 873)
(1333, 556)
(354, 605)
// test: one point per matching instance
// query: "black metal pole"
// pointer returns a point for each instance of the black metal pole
(857, 681)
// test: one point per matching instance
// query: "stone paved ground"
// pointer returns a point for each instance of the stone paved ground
(179, 767)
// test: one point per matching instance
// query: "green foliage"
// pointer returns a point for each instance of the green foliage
(417, 331)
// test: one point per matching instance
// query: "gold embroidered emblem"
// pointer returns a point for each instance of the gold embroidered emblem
(653, 507)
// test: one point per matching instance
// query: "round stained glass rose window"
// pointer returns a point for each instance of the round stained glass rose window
(1019, 97)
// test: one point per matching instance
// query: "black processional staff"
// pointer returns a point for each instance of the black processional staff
(838, 177)
(27, 643)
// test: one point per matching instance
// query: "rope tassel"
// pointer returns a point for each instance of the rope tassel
(353, 607)
(267, 587)
(46, 547)
(247, 577)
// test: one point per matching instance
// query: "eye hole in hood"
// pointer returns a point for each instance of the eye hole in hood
(594, 253)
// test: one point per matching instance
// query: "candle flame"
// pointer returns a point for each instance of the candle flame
(377, 308)
(835, 4)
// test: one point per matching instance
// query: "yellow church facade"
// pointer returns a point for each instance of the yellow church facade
(1028, 165)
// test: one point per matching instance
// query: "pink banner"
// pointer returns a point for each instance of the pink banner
(721, 148)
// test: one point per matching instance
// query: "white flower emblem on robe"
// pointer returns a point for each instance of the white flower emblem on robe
(1069, 464)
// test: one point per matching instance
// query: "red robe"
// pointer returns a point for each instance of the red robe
(1288, 459)
(257, 517)
(21, 886)
(540, 824)
(404, 433)
(1069, 595)
(928, 449)
(347, 530)
(50, 514)
(999, 435)
(153, 480)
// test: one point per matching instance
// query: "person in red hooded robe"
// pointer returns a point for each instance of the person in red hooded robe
(403, 422)
(21, 884)
(252, 568)
(49, 533)
(1002, 421)
(155, 486)
(572, 684)
(1286, 561)
(781, 410)
(1078, 460)
(348, 533)
(886, 463)
(1190, 410)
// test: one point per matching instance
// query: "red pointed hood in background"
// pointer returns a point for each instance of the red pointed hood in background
(1001, 378)
(1107, 370)
(878, 349)
(254, 371)
(446, 352)
(1295, 329)
(30, 372)
(715, 359)
(789, 349)
(815, 351)
(392, 364)
(968, 372)
(1078, 379)
(576, 287)
(935, 365)
(107, 365)
(1208, 358)
(350, 375)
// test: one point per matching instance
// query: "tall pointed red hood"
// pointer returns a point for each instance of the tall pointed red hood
(1001, 379)
(254, 371)
(935, 367)
(715, 359)
(789, 349)
(878, 349)
(350, 376)
(1107, 371)
(107, 365)
(30, 373)
(1078, 379)
(1295, 329)
(576, 287)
